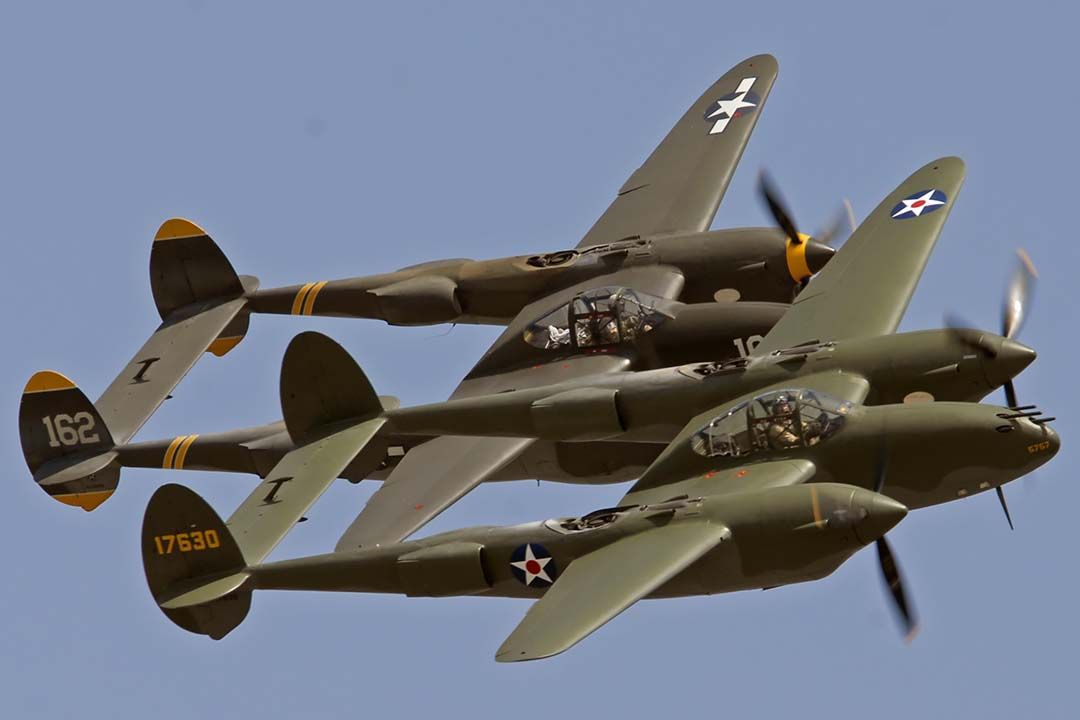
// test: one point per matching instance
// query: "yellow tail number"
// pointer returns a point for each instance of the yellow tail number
(193, 541)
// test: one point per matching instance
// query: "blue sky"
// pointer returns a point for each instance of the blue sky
(339, 139)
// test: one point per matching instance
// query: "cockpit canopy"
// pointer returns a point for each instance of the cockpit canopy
(599, 317)
(778, 420)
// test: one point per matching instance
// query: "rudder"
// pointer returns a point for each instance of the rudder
(321, 384)
(66, 443)
(194, 568)
(187, 267)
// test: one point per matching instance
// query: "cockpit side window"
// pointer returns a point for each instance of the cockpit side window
(599, 317)
(774, 421)
(822, 416)
(726, 436)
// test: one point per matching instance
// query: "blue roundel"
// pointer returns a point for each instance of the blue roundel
(918, 204)
(533, 565)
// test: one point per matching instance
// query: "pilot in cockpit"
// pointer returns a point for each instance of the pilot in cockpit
(781, 428)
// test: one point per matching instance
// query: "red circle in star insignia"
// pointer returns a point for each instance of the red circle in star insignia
(533, 567)
(918, 203)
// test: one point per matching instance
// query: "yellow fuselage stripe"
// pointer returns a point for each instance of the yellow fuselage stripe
(298, 301)
(309, 303)
(796, 259)
(171, 451)
(181, 452)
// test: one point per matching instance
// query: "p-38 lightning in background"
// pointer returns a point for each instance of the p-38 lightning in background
(640, 291)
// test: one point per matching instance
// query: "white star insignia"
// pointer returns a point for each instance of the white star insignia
(916, 206)
(726, 109)
(533, 567)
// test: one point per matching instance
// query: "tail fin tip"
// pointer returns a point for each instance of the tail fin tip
(176, 228)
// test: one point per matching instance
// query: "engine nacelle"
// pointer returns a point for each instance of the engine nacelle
(423, 300)
(582, 414)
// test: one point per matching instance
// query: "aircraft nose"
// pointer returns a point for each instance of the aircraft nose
(882, 515)
(817, 255)
(1053, 438)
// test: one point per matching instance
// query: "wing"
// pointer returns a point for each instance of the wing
(865, 288)
(429, 479)
(679, 471)
(598, 586)
(680, 185)
(434, 475)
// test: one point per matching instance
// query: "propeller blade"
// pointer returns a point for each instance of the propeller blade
(1018, 295)
(890, 573)
(1004, 506)
(1010, 394)
(843, 219)
(777, 208)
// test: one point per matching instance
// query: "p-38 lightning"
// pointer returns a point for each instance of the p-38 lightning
(770, 489)
(640, 291)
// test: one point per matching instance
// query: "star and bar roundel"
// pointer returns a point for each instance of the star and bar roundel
(918, 204)
(533, 565)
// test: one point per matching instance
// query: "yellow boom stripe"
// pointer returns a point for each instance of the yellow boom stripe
(298, 301)
(181, 451)
(309, 303)
(171, 450)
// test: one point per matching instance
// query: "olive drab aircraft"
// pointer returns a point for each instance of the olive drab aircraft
(648, 286)
(843, 324)
(775, 469)
(767, 470)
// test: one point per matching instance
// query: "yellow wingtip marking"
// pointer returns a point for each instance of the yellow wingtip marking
(796, 259)
(223, 345)
(171, 451)
(181, 452)
(298, 301)
(309, 302)
(175, 228)
(87, 501)
(46, 380)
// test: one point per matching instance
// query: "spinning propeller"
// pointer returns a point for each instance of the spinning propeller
(1013, 314)
(805, 254)
(890, 571)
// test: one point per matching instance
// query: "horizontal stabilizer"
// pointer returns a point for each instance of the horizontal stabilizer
(203, 308)
(160, 365)
(295, 483)
(598, 586)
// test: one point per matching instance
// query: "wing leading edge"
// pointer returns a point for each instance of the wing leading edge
(680, 186)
